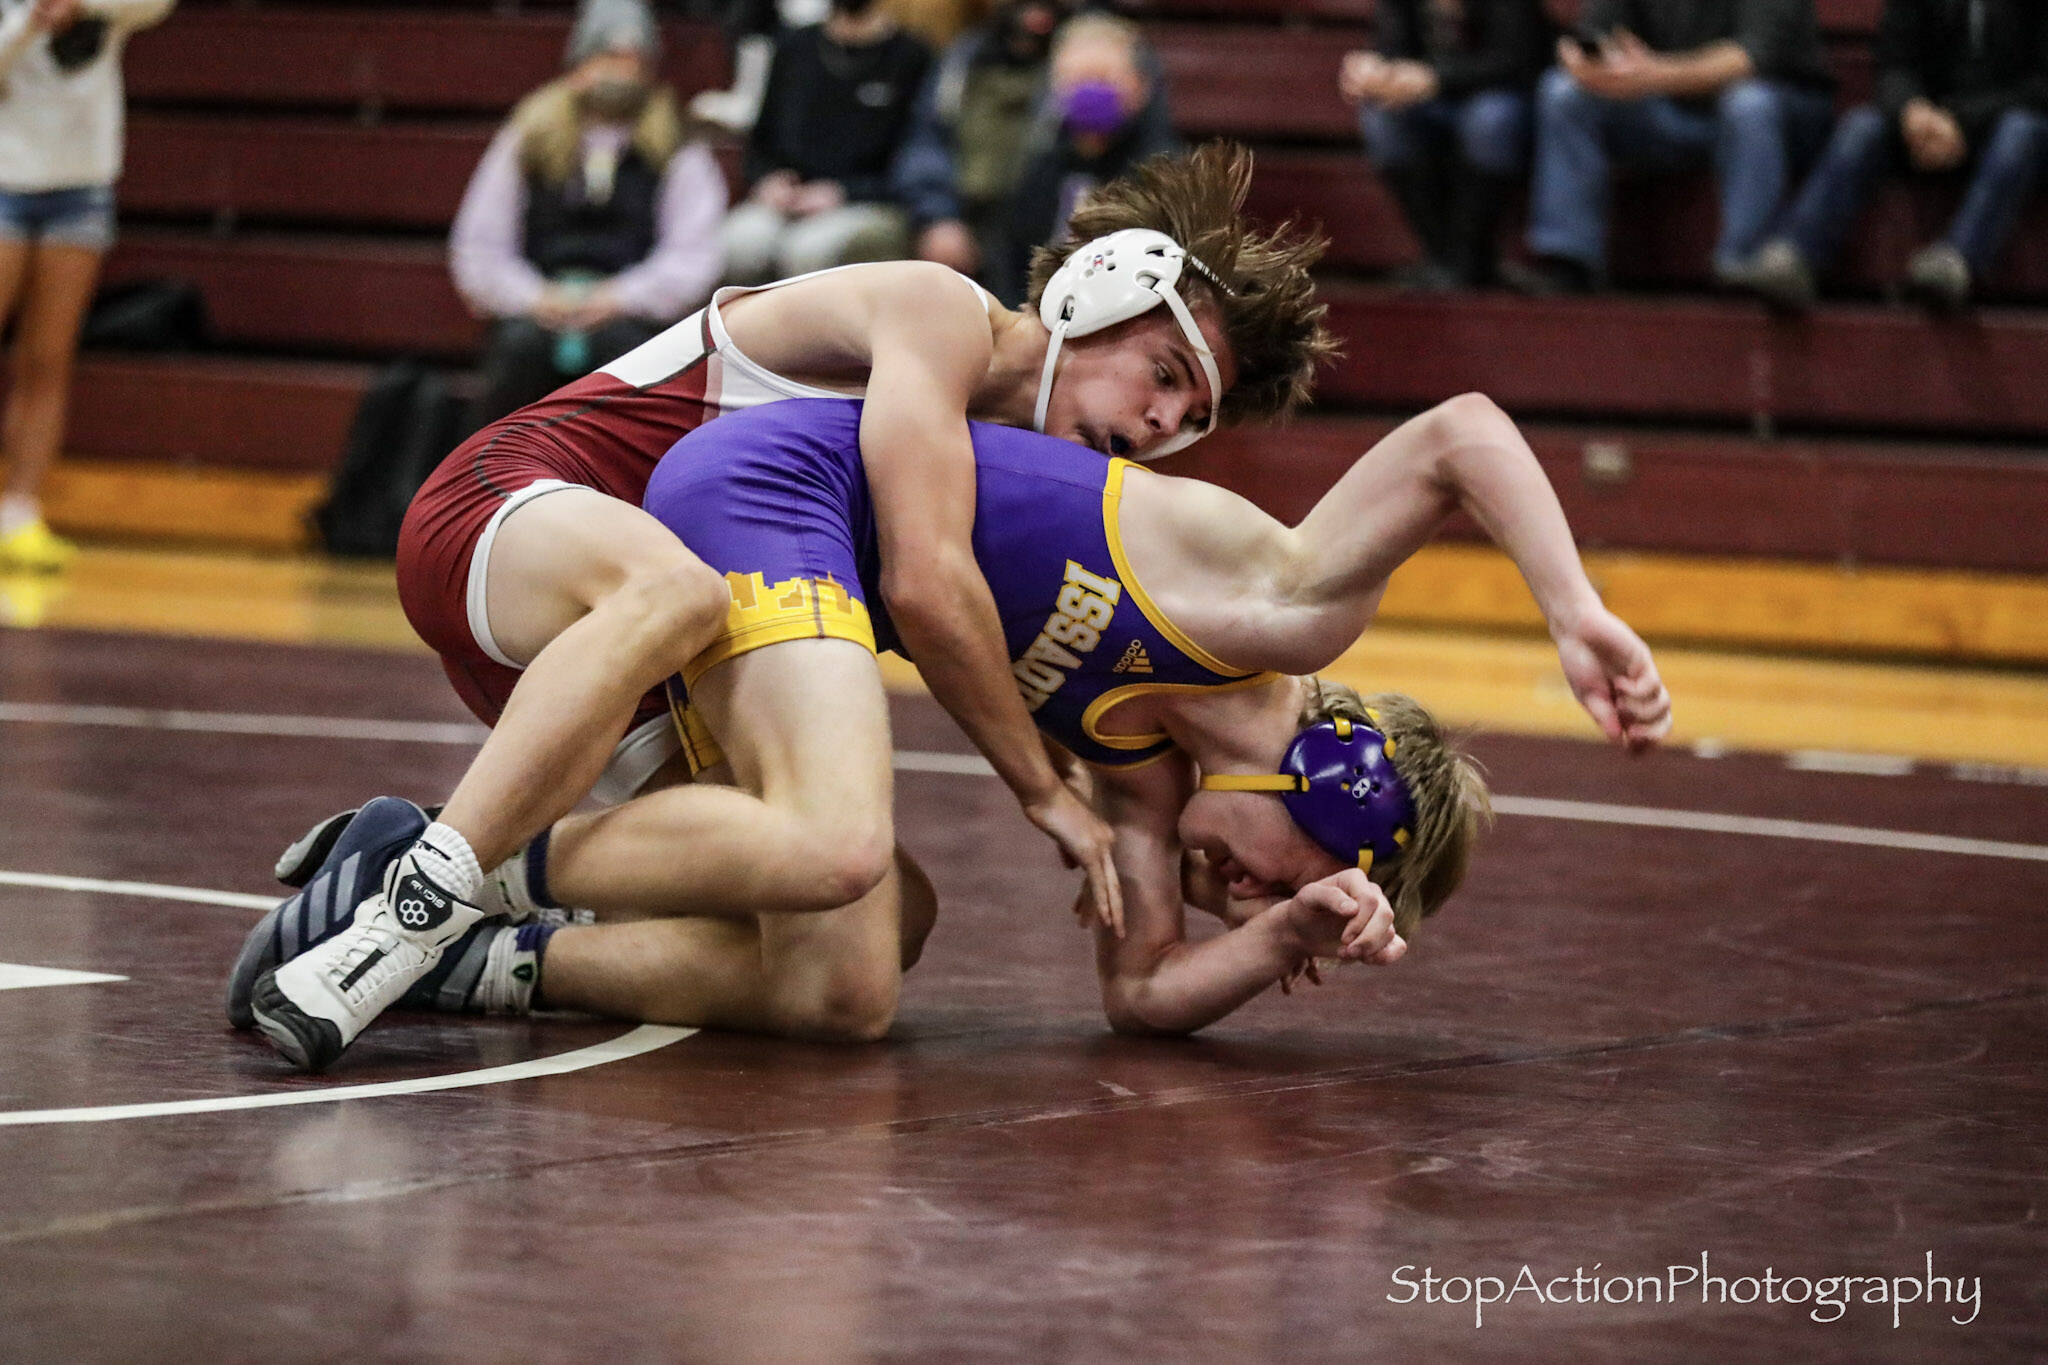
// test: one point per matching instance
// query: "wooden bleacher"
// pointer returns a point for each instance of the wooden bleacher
(373, 60)
(301, 163)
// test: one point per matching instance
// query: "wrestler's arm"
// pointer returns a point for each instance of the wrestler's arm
(1300, 596)
(1153, 980)
(928, 347)
(1467, 455)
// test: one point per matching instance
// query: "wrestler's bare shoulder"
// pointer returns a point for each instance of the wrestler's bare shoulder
(1179, 529)
(826, 324)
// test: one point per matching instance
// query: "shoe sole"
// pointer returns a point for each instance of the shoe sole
(310, 1044)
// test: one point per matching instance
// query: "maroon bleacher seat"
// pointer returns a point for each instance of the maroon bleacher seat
(326, 293)
(1690, 359)
(323, 172)
(1645, 488)
(283, 416)
(375, 59)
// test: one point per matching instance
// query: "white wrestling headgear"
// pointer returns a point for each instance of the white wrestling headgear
(1114, 279)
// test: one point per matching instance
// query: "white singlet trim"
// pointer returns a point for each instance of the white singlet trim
(660, 358)
(639, 756)
(762, 375)
(476, 597)
(648, 745)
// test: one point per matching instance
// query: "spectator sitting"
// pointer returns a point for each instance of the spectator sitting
(1667, 84)
(592, 221)
(1088, 132)
(838, 100)
(1444, 108)
(60, 154)
(965, 144)
(1957, 84)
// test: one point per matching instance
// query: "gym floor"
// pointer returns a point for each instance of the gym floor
(1783, 1011)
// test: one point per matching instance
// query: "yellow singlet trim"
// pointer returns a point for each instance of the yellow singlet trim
(1112, 493)
(1101, 706)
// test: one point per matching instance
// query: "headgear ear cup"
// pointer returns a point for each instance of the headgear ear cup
(1339, 783)
(1114, 279)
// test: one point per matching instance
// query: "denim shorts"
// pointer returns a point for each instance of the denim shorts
(74, 217)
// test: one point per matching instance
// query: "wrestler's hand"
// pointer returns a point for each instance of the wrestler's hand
(1345, 916)
(1613, 676)
(1085, 839)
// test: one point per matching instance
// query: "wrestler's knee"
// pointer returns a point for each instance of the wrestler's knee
(675, 607)
(846, 1003)
(854, 851)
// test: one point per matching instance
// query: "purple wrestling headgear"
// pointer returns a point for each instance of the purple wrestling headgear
(1338, 782)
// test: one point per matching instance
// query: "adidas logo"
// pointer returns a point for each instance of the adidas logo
(1135, 660)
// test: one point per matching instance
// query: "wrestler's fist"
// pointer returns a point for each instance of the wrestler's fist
(1613, 676)
(1346, 916)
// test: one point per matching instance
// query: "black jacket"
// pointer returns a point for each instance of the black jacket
(1782, 37)
(837, 113)
(1975, 58)
(1472, 45)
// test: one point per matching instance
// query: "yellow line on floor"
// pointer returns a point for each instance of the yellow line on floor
(1500, 681)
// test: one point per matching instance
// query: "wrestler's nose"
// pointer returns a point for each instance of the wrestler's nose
(1164, 416)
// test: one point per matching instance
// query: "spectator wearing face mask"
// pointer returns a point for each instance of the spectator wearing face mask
(592, 221)
(1091, 128)
(833, 117)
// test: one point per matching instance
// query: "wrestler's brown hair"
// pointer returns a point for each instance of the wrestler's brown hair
(1446, 784)
(1267, 302)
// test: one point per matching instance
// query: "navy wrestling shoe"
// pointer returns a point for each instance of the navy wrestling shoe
(359, 847)
(297, 864)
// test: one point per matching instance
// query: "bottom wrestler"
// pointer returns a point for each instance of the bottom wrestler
(1322, 829)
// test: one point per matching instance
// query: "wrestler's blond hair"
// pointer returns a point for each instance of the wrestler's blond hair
(1446, 784)
(1266, 301)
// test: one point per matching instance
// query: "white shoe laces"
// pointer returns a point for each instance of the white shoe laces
(401, 964)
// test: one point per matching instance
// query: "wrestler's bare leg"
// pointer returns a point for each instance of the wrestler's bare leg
(811, 976)
(805, 725)
(806, 827)
(601, 602)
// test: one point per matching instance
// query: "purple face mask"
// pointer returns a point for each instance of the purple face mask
(1093, 107)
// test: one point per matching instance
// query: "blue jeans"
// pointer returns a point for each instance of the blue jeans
(1489, 128)
(82, 217)
(1866, 146)
(1752, 134)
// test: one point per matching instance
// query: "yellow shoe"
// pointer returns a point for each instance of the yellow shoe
(26, 599)
(36, 547)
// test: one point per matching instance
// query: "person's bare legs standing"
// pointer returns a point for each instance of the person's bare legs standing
(47, 286)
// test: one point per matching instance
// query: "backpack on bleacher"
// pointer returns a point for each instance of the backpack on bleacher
(407, 421)
(146, 315)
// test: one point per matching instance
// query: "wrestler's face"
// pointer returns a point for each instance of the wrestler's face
(1253, 844)
(1126, 389)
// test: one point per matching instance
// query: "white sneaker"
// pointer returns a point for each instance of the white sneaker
(315, 1005)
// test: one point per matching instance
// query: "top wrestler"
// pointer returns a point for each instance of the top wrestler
(1104, 574)
(556, 603)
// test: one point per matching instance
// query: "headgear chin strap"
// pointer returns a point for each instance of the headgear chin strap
(1339, 783)
(1114, 279)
